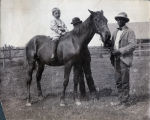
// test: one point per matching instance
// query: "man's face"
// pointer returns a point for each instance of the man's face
(74, 25)
(56, 14)
(121, 22)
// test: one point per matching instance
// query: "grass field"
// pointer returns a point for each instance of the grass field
(13, 93)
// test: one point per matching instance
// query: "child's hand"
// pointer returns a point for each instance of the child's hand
(62, 30)
(63, 33)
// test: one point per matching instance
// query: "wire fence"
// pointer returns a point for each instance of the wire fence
(9, 52)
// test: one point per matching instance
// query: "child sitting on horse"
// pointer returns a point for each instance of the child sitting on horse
(58, 28)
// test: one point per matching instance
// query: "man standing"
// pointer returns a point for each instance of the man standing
(84, 66)
(123, 45)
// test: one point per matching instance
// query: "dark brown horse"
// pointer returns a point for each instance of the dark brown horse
(38, 50)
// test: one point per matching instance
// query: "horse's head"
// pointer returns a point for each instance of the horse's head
(101, 27)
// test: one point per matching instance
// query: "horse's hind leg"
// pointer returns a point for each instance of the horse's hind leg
(89, 79)
(31, 66)
(67, 70)
(38, 78)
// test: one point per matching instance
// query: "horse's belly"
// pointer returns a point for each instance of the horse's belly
(44, 54)
(44, 58)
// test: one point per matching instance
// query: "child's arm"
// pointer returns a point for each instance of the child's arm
(54, 27)
(64, 27)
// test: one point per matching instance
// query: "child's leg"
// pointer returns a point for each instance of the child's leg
(54, 47)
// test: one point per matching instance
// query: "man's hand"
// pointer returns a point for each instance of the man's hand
(116, 52)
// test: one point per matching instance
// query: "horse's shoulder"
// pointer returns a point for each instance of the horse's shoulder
(65, 36)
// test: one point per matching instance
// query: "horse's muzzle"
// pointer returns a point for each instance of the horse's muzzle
(108, 42)
(107, 36)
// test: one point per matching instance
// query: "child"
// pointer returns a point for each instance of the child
(58, 28)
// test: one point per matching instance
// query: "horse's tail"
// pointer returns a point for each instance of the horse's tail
(25, 59)
(30, 52)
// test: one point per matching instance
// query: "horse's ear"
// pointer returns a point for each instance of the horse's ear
(91, 12)
(102, 11)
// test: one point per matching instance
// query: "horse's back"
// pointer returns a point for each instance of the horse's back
(41, 46)
(34, 44)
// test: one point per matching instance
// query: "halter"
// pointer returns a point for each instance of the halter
(98, 28)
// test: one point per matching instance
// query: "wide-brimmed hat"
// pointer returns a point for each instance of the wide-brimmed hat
(76, 20)
(122, 15)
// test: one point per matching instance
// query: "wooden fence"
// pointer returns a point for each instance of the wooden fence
(9, 52)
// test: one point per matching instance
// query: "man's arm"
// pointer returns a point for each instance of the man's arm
(132, 44)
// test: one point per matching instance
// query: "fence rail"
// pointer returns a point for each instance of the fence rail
(9, 52)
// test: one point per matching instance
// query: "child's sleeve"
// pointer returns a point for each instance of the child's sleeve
(65, 27)
(54, 27)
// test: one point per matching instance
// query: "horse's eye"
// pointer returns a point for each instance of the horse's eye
(96, 19)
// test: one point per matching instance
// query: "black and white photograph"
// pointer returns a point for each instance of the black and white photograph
(74, 60)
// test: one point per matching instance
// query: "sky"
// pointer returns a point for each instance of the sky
(23, 19)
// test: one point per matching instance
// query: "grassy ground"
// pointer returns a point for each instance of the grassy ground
(13, 94)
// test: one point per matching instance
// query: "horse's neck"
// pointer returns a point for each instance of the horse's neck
(87, 32)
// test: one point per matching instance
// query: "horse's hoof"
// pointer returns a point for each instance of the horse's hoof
(78, 103)
(40, 98)
(62, 105)
(94, 99)
(94, 96)
(28, 104)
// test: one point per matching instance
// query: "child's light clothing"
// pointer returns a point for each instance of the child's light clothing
(57, 28)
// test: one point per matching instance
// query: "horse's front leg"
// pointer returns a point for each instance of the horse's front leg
(67, 70)
(38, 78)
(76, 78)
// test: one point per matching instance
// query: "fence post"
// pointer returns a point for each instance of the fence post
(9, 50)
(101, 54)
(140, 48)
(4, 57)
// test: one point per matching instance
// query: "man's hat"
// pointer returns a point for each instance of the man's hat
(76, 20)
(122, 15)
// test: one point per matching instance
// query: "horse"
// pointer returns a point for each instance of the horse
(39, 49)
(83, 68)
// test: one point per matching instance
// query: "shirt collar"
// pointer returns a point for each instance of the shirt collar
(122, 28)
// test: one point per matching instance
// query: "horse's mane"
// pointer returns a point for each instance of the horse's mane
(83, 26)
(78, 29)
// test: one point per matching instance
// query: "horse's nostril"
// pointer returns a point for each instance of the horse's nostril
(107, 35)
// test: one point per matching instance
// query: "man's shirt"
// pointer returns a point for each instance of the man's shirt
(126, 43)
(119, 33)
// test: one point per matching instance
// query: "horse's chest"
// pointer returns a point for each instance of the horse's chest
(69, 51)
